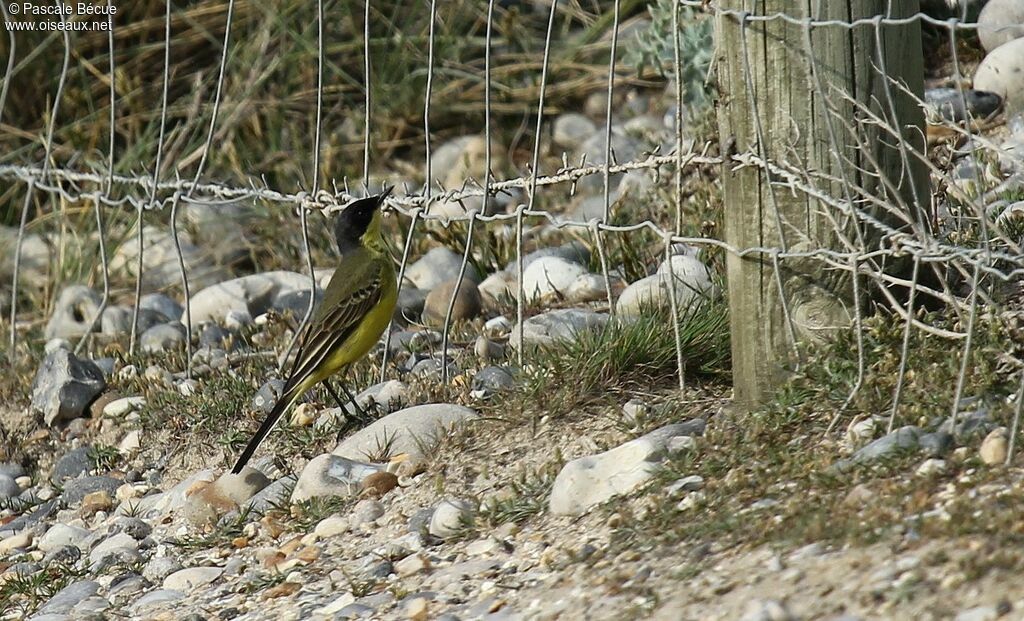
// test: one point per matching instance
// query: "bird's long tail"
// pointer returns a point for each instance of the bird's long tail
(280, 408)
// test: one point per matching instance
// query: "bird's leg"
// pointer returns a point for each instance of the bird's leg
(334, 395)
(360, 413)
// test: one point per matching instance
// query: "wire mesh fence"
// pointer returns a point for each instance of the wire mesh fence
(871, 199)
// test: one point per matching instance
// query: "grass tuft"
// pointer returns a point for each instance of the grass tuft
(24, 593)
(627, 356)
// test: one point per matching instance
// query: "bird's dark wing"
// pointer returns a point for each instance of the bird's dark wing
(330, 328)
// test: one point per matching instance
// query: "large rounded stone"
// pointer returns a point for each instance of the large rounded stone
(437, 266)
(160, 266)
(252, 295)
(163, 304)
(74, 313)
(1001, 21)
(692, 285)
(35, 258)
(550, 277)
(330, 475)
(451, 517)
(412, 432)
(588, 481)
(468, 303)
(1002, 72)
(557, 326)
(227, 493)
(117, 320)
(163, 337)
(572, 129)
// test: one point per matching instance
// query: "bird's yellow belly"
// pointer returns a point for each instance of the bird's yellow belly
(365, 335)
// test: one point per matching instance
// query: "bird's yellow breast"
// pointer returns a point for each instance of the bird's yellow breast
(367, 332)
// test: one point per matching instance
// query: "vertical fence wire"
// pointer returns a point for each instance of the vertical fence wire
(30, 190)
(677, 63)
(307, 249)
(156, 177)
(487, 105)
(366, 101)
(416, 212)
(674, 309)
(1015, 426)
(605, 176)
(195, 181)
(426, 106)
(8, 73)
(446, 329)
(532, 197)
(905, 349)
(106, 187)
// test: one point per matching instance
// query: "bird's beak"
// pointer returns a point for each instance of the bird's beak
(382, 196)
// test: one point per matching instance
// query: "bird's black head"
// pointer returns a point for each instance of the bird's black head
(359, 222)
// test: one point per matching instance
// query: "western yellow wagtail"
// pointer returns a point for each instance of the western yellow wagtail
(355, 310)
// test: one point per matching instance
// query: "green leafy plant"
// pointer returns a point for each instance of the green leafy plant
(655, 47)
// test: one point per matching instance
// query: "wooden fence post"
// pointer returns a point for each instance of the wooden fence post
(811, 102)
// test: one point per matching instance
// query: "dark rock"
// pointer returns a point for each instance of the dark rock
(295, 302)
(136, 528)
(117, 320)
(8, 488)
(401, 341)
(378, 569)
(969, 424)
(12, 469)
(106, 366)
(63, 554)
(41, 512)
(949, 104)
(410, 304)
(214, 336)
(431, 367)
(72, 464)
(493, 379)
(68, 597)
(162, 304)
(77, 489)
(903, 439)
(936, 444)
(64, 386)
(268, 394)
(419, 522)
